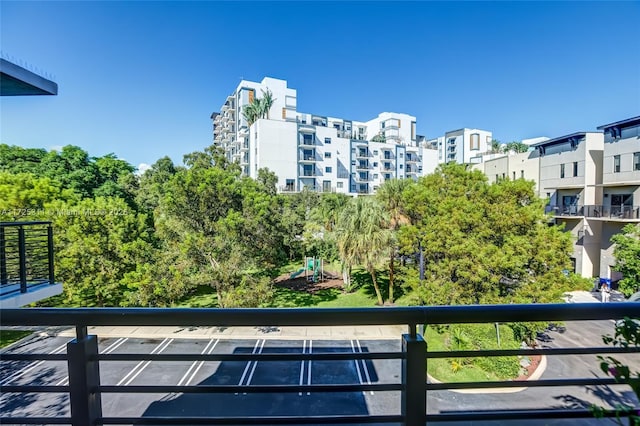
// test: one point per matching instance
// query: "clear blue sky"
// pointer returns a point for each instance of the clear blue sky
(140, 79)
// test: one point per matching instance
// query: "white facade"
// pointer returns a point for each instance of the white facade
(318, 152)
(464, 146)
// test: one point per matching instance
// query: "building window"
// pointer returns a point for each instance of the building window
(616, 164)
(339, 185)
(375, 152)
(636, 161)
(401, 155)
(327, 169)
(575, 168)
(375, 164)
(400, 166)
(521, 174)
(353, 162)
(497, 177)
(375, 176)
(327, 141)
(561, 170)
(290, 185)
(474, 143)
(514, 175)
(327, 155)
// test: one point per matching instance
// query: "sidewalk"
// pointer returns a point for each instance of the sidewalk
(591, 297)
(366, 332)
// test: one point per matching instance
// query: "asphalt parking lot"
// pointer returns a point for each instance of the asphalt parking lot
(128, 373)
(243, 373)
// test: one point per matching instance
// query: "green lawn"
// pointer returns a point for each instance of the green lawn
(7, 337)
(472, 369)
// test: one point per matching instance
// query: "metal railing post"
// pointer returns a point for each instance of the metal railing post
(50, 254)
(414, 379)
(22, 253)
(84, 379)
(3, 258)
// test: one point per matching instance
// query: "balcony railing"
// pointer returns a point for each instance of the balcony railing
(85, 389)
(26, 256)
(613, 212)
(559, 210)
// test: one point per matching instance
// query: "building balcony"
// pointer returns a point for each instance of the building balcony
(303, 158)
(412, 159)
(307, 142)
(309, 173)
(306, 128)
(565, 211)
(26, 263)
(362, 153)
(613, 213)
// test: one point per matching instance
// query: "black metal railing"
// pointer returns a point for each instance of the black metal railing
(83, 360)
(613, 212)
(562, 210)
(26, 256)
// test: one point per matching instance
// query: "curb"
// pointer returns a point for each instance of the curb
(535, 376)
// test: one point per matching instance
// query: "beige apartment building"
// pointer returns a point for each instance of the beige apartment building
(592, 183)
(620, 187)
(571, 178)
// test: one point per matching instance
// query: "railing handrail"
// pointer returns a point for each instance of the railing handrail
(413, 315)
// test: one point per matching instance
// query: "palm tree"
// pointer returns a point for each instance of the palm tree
(251, 112)
(266, 102)
(390, 195)
(363, 237)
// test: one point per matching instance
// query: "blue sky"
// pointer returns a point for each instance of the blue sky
(140, 79)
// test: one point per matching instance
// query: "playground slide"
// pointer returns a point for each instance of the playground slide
(296, 273)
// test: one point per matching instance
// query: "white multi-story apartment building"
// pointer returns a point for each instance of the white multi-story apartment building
(317, 152)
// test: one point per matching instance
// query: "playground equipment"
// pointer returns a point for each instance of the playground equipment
(313, 269)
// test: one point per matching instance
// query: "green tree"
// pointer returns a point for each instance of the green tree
(364, 237)
(627, 254)
(98, 242)
(516, 146)
(391, 195)
(496, 146)
(266, 103)
(482, 243)
(24, 196)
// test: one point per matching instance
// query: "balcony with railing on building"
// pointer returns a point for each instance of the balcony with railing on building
(308, 156)
(565, 210)
(26, 263)
(613, 212)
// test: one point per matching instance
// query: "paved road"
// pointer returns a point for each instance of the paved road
(126, 373)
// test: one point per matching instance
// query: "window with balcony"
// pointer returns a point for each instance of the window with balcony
(561, 171)
(636, 161)
(616, 164)
(575, 168)
(307, 139)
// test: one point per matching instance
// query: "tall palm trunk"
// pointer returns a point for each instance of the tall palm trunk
(372, 271)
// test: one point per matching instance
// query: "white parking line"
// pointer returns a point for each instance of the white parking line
(364, 366)
(246, 369)
(186, 379)
(355, 361)
(32, 366)
(115, 345)
(126, 380)
(255, 364)
(309, 369)
(304, 348)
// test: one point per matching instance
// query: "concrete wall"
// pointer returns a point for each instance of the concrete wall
(625, 148)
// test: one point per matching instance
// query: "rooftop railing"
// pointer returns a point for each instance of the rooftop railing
(26, 256)
(85, 389)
